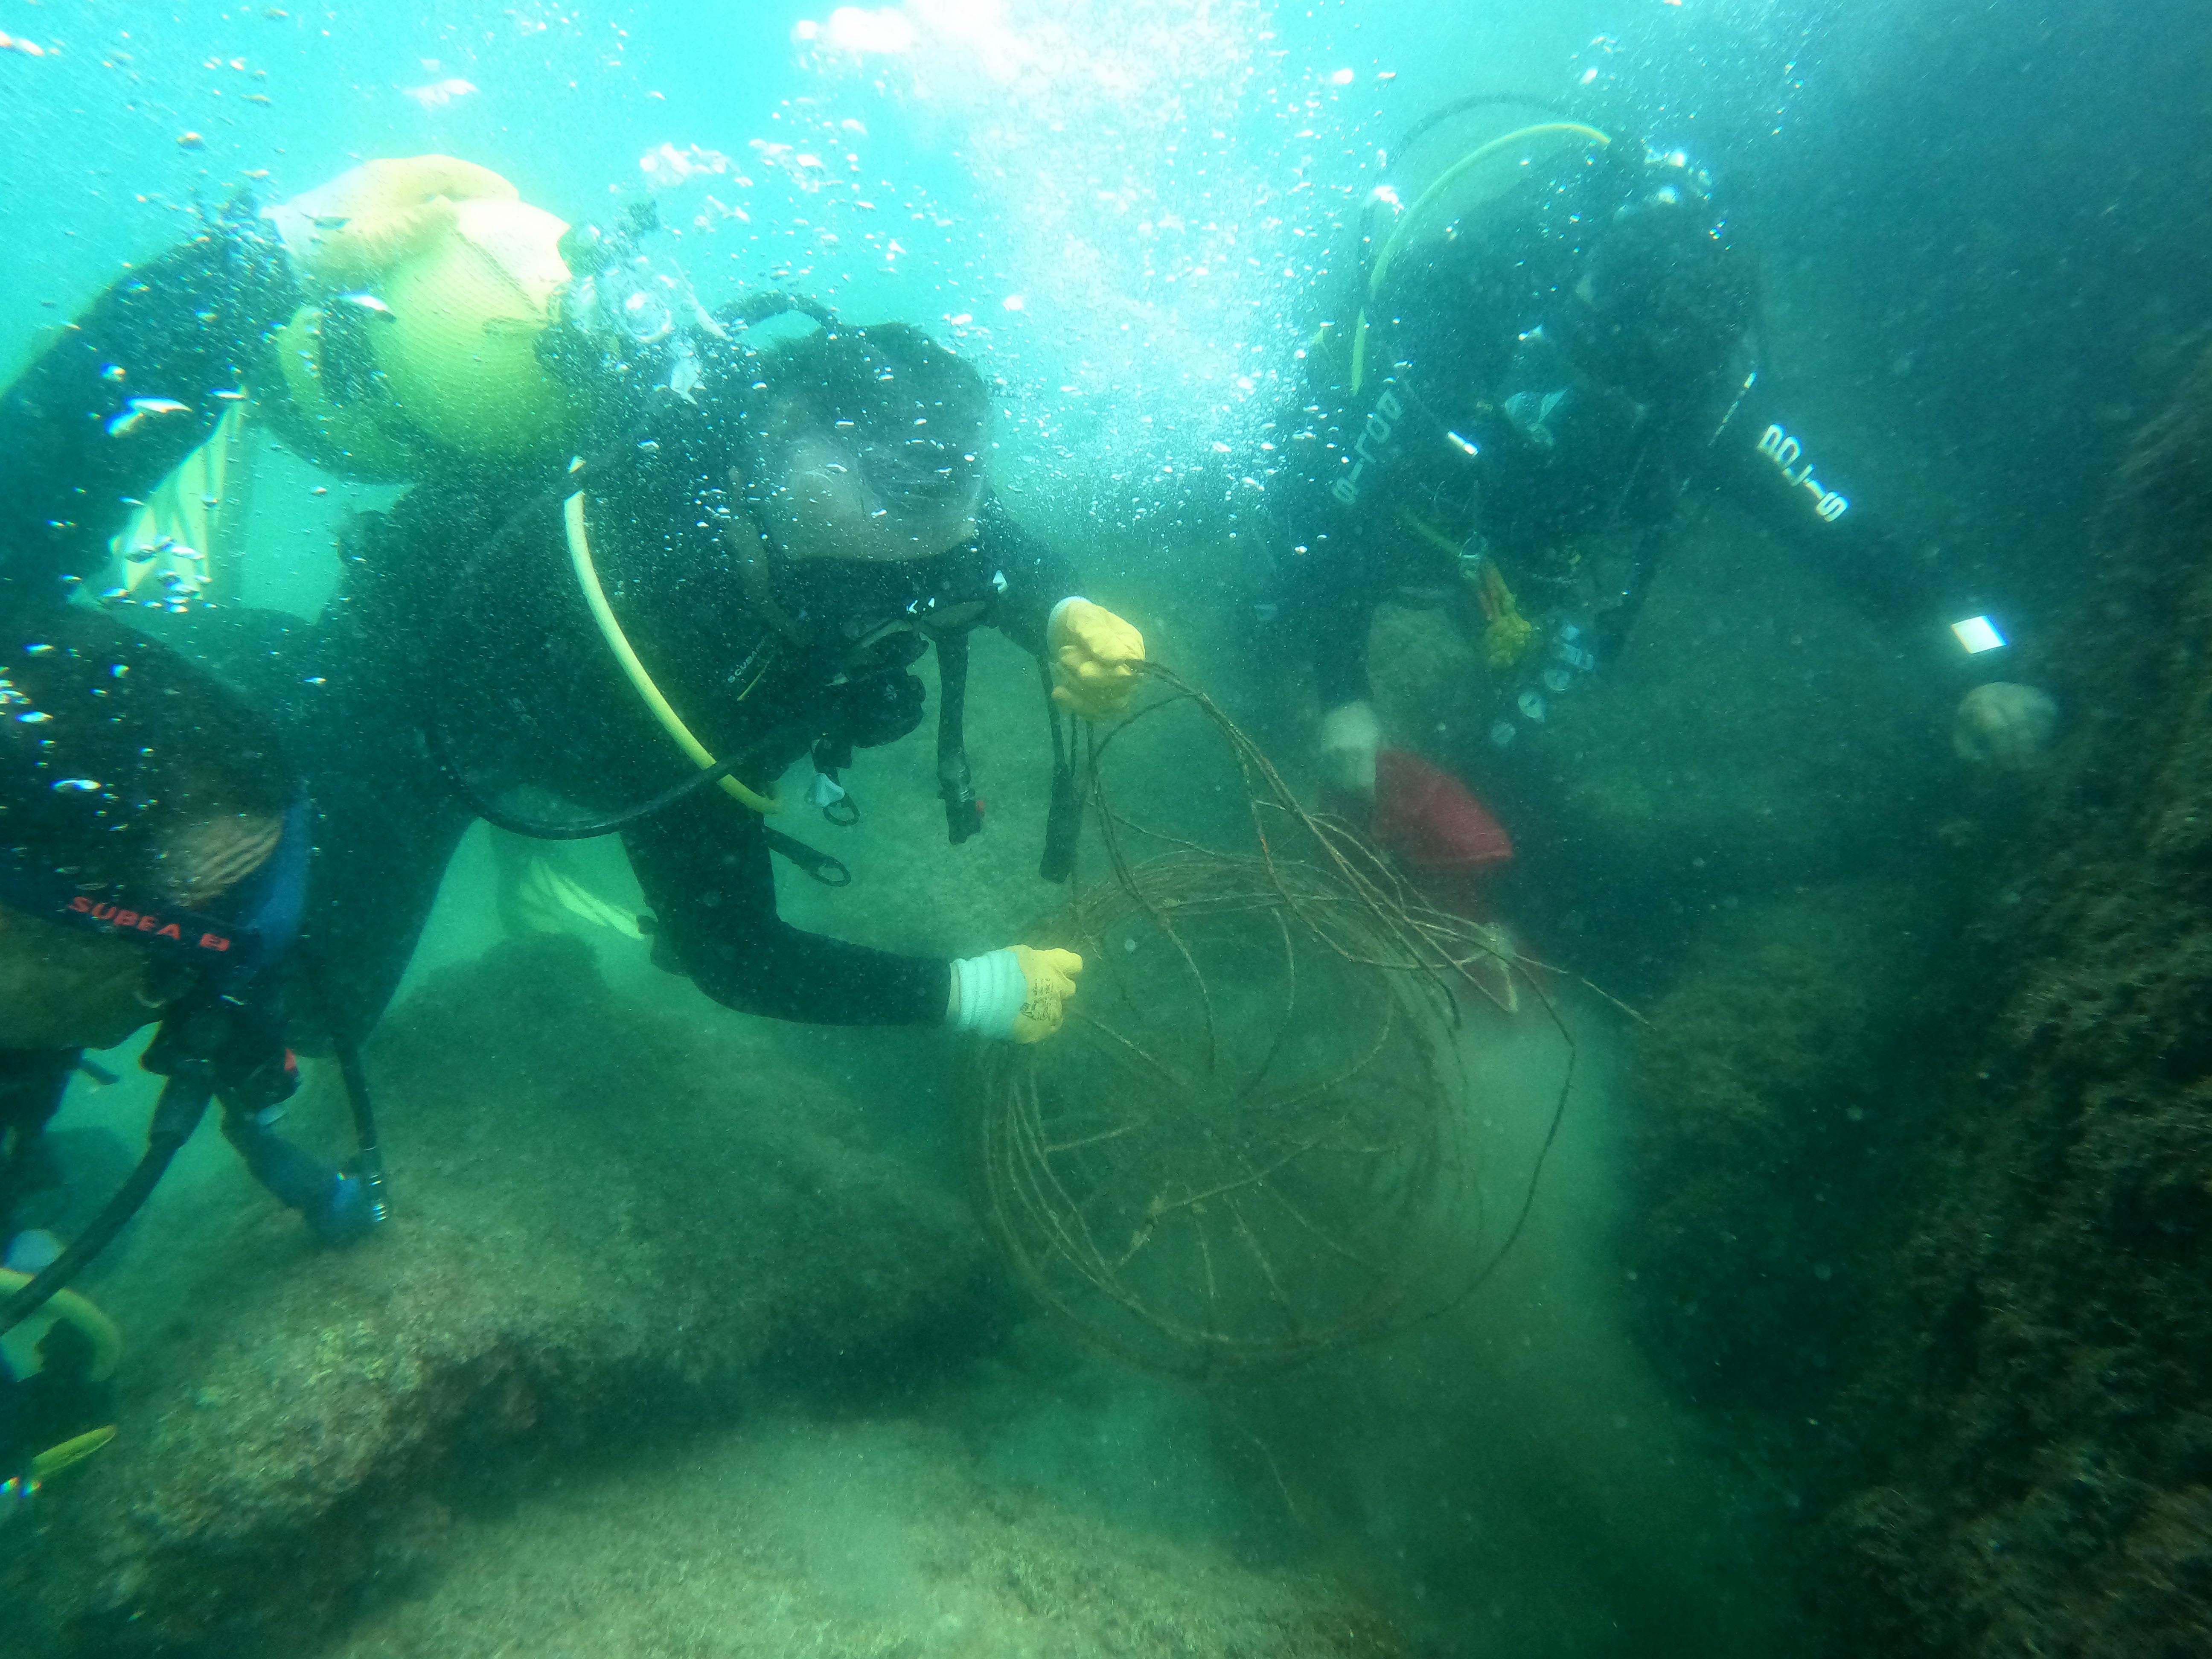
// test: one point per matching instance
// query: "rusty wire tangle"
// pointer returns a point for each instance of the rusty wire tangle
(1250, 1144)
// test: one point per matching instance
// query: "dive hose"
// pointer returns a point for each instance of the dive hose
(183, 1103)
(1376, 267)
(184, 1100)
(955, 783)
(1063, 821)
(588, 578)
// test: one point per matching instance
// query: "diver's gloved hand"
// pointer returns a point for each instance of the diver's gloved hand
(2004, 727)
(335, 1203)
(1013, 995)
(1094, 654)
(1350, 737)
(346, 233)
(344, 1211)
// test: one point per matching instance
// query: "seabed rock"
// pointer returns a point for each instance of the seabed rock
(854, 1540)
(2003, 1450)
(609, 1221)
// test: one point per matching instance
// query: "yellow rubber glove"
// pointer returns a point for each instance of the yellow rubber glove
(347, 232)
(1050, 977)
(1094, 655)
(1013, 995)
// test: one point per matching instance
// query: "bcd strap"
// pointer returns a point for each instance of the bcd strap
(956, 784)
(1063, 822)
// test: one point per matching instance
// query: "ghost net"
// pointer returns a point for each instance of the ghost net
(1251, 1142)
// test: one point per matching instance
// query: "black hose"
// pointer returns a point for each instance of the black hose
(1063, 820)
(441, 741)
(184, 1102)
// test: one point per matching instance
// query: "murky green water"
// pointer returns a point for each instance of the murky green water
(687, 1335)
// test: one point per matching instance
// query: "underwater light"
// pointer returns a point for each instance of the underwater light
(1977, 634)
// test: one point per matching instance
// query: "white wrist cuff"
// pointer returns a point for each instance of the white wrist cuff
(993, 990)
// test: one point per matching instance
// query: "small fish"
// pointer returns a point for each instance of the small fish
(230, 397)
(139, 410)
(16, 43)
(369, 302)
(114, 372)
(190, 141)
(256, 98)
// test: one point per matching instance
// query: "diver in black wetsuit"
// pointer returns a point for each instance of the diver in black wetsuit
(1509, 419)
(781, 552)
(749, 551)
(152, 864)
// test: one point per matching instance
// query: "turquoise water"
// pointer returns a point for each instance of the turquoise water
(1982, 255)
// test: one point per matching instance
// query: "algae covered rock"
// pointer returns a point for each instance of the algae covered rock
(1770, 1103)
(2036, 1461)
(2006, 1451)
(609, 1219)
(850, 1541)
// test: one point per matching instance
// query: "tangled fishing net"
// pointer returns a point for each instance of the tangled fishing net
(1251, 1141)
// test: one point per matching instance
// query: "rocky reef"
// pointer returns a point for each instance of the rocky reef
(611, 1223)
(1928, 1217)
(670, 1349)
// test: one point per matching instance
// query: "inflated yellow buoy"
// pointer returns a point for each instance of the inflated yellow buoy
(460, 347)
(432, 283)
(363, 436)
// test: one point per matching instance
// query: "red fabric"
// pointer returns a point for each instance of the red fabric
(1427, 818)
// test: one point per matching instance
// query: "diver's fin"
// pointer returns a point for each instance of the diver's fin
(177, 541)
(19, 1346)
(52, 1461)
(553, 901)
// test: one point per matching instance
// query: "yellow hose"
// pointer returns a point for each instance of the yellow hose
(1450, 175)
(588, 578)
(68, 1308)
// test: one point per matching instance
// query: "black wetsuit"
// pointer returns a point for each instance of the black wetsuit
(84, 428)
(1492, 418)
(460, 610)
(462, 615)
(78, 443)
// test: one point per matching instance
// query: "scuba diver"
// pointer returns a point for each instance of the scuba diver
(644, 567)
(153, 860)
(1515, 406)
